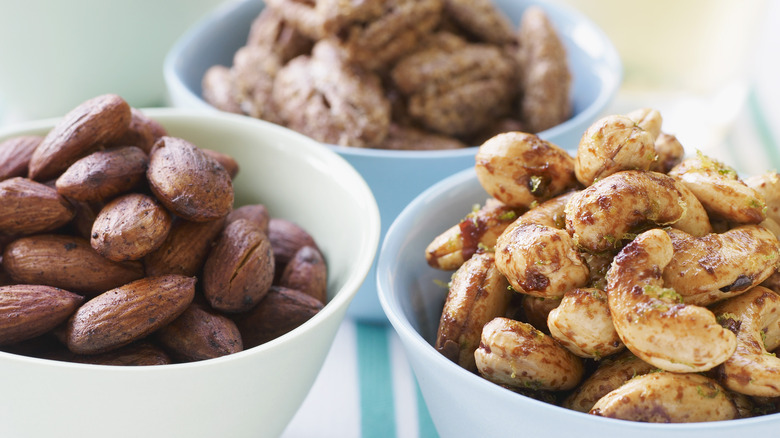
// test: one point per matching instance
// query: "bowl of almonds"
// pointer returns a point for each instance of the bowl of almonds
(168, 272)
(402, 89)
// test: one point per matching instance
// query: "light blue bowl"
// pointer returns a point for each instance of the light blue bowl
(462, 403)
(396, 177)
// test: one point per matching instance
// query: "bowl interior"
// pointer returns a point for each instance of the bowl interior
(593, 59)
(251, 393)
(461, 403)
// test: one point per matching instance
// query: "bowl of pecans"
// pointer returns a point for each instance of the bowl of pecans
(401, 89)
(162, 273)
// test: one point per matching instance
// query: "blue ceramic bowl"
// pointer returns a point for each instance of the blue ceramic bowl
(396, 177)
(462, 403)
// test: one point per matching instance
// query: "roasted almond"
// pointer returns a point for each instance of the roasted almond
(239, 269)
(136, 354)
(15, 155)
(102, 175)
(185, 249)
(287, 238)
(189, 182)
(143, 132)
(256, 213)
(95, 122)
(228, 162)
(130, 227)
(28, 207)
(199, 334)
(307, 273)
(27, 311)
(281, 311)
(128, 313)
(67, 262)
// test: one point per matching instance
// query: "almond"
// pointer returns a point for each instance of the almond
(256, 213)
(287, 238)
(15, 155)
(135, 354)
(130, 227)
(307, 273)
(95, 122)
(104, 174)
(239, 269)
(185, 249)
(281, 311)
(198, 334)
(67, 262)
(189, 182)
(228, 162)
(28, 207)
(27, 311)
(143, 132)
(128, 313)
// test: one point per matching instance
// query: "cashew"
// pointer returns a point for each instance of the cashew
(601, 216)
(648, 119)
(668, 398)
(768, 186)
(519, 169)
(582, 323)
(714, 267)
(478, 293)
(537, 309)
(669, 153)
(720, 190)
(480, 228)
(611, 374)
(652, 321)
(612, 144)
(539, 260)
(755, 316)
(515, 354)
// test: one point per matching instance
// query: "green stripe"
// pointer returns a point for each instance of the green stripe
(376, 382)
(426, 428)
(764, 131)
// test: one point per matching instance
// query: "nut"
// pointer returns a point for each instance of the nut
(307, 273)
(15, 155)
(27, 311)
(128, 313)
(188, 182)
(95, 122)
(239, 269)
(130, 227)
(28, 207)
(199, 334)
(185, 249)
(67, 262)
(286, 238)
(104, 174)
(256, 213)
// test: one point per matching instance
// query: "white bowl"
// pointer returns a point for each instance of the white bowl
(253, 393)
(57, 54)
(396, 177)
(462, 403)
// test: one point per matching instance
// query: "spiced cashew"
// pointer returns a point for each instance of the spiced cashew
(755, 316)
(515, 354)
(602, 215)
(651, 319)
(521, 169)
(582, 323)
(478, 293)
(665, 397)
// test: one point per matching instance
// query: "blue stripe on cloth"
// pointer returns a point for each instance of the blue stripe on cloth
(764, 130)
(425, 423)
(376, 382)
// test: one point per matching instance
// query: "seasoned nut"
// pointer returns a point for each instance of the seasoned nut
(482, 19)
(253, 73)
(239, 269)
(185, 248)
(218, 89)
(188, 182)
(256, 213)
(120, 316)
(545, 78)
(27, 311)
(28, 207)
(271, 31)
(307, 272)
(15, 155)
(66, 262)
(135, 354)
(103, 174)
(281, 311)
(229, 163)
(130, 227)
(457, 88)
(198, 334)
(324, 18)
(95, 122)
(143, 132)
(286, 238)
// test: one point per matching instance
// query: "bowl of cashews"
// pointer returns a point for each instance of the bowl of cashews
(630, 287)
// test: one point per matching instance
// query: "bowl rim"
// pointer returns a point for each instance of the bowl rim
(414, 343)
(313, 150)
(609, 70)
